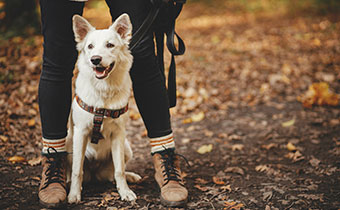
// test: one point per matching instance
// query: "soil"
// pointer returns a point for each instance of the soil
(238, 89)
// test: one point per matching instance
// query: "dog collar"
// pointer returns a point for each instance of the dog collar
(99, 114)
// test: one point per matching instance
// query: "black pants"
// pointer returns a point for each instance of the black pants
(60, 55)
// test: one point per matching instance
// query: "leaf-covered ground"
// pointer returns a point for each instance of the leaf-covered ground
(240, 120)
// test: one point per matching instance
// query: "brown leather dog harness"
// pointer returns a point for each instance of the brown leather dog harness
(99, 114)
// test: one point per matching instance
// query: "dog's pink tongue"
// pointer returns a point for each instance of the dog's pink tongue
(101, 74)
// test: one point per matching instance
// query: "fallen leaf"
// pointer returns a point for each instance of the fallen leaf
(201, 181)
(236, 170)
(261, 168)
(233, 205)
(312, 196)
(35, 161)
(226, 188)
(295, 156)
(205, 149)
(194, 118)
(267, 195)
(218, 180)
(4, 138)
(31, 123)
(134, 115)
(316, 42)
(291, 147)
(237, 147)
(319, 94)
(269, 146)
(314, 162)
(288, 123)
(197, 117)
(203, 189)
(16, 159)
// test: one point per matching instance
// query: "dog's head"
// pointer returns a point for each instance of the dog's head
(103, 49)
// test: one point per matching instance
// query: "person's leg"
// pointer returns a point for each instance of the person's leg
(55, 92)
(147, 79)
(152, 101)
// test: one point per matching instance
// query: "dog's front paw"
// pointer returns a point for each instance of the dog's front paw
(74, 197)
(132, 177)
(127, 195)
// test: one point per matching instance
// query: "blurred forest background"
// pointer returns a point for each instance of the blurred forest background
(258, 113)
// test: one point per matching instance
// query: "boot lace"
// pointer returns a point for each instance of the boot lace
(168, 157)
(54, 171)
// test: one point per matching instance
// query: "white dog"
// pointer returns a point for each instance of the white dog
(98, 111)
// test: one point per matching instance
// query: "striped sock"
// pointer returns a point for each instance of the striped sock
(161, 143)
(58, 144)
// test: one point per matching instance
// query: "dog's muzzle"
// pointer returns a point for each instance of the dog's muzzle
(102, 72)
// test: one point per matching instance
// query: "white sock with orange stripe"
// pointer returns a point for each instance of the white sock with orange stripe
(58, 145)
(161, 143)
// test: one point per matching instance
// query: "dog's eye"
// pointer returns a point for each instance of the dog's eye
(109, 45)
(90, 46)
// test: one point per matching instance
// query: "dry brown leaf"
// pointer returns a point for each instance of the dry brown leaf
(203, 189)
(233, 205)
(269, 146)
(35, 161)
(261, 168)
(226, 188)
(236, 170)
(295, 156)
(218, 180)
(4, 138)
(237, 147)
(201, 181)
(16, 159)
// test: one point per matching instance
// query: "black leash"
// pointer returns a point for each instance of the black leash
(174, 8)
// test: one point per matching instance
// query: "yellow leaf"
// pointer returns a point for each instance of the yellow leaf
(197, 117)
(291, 147)
(319, 94)
(16, 159)
(316, 42)
(31, 123)
(188, 120)
(194, 118)
(288, 123)
(205, 149)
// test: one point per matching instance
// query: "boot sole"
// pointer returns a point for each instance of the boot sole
(167, 203)
(53, 205)
(173, 203)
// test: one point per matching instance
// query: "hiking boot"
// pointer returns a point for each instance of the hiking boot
(168, 177)
(52, 190)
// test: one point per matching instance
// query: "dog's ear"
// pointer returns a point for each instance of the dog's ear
(123, 26)
(81, 27)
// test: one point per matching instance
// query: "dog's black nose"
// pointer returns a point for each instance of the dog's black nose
(96, 59)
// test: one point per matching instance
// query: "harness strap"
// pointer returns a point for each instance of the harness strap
(176, 7)
(99, 114)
